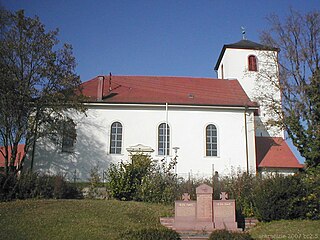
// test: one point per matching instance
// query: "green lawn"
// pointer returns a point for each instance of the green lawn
(101, 219)
(76, 219)
(287, 229)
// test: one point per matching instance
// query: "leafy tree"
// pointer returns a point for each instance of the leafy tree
(298, 110)
(38, 84)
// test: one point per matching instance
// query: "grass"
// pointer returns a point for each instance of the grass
(287, 229)
(100, 219)
(76, 219)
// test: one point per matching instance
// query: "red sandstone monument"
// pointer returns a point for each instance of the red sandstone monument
(205, 214)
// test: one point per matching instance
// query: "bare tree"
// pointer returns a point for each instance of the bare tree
(298, 110)
(38, 84)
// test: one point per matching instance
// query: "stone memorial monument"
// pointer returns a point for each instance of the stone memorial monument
(205, 214)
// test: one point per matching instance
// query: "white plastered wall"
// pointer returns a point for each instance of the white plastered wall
(255, 84)
(140, 123)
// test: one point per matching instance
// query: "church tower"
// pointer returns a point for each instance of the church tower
(255, 67)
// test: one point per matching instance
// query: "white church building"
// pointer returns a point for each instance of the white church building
(209, 125)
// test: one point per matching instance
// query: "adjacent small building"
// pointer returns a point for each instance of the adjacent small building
(15, 164)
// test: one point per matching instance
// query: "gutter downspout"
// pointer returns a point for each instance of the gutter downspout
(166, 140)
(246, 138)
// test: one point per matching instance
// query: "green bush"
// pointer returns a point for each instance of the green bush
(277, 197)
(142, 180)
(151, 234)
(6, 186)
(159, 185)
(124, 179)
(311, 198)
(34, 185)
(239, 186)
(227, 235)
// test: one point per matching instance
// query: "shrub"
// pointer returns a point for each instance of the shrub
(34, 185)
(96, 189)
(151, 234)
(125, 178)
(227, 235)
(311, 198)
(277, 197)
(159, 185)
(7, 184)
(240, 187)
(142, 180)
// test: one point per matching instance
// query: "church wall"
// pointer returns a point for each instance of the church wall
(140, 124)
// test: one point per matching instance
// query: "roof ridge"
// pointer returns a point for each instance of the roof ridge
(154, 76)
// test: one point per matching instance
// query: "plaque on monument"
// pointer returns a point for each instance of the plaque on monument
(185, 210)
(185, 213)
(225, 212)
(204, 208)
(204, 203)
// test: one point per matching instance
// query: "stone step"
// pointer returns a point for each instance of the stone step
(194, 238)
(193, 235)
(167, 222)
(250, 222)
(168, 226)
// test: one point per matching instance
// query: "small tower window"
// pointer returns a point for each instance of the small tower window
(252, 63)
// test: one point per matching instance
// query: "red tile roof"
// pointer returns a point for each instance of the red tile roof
(173, 90)
(18, 158)
(275, 153)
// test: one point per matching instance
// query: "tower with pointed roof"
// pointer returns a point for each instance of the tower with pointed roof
(250, 63)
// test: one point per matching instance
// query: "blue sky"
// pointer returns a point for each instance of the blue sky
(154, 37)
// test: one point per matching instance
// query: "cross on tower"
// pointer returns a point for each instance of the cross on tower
(243, 33)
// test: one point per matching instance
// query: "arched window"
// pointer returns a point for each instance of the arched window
(252, 63)
(163, 139)
(211, 140)
(116, 138)
(69, 135)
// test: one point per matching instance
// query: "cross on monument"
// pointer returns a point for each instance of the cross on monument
(224, 196)
(186, 197)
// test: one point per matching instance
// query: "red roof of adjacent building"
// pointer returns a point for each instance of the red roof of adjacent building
(274, 152)
(19, 156)
(172, 90)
